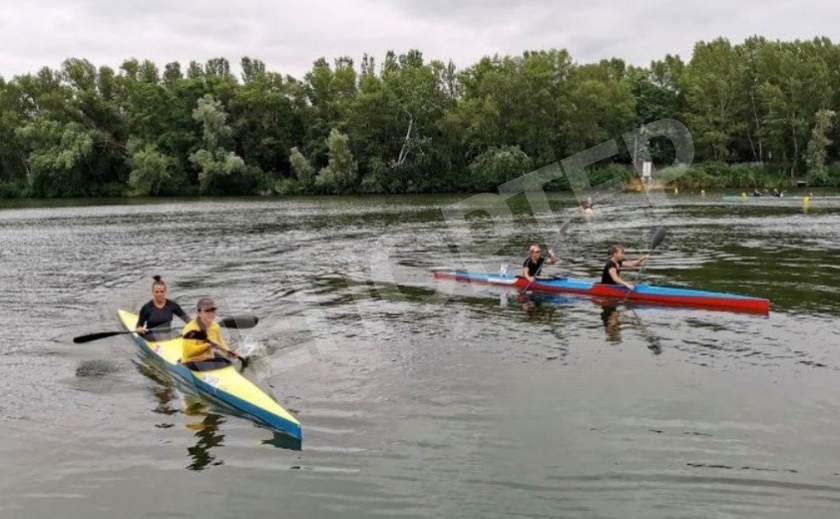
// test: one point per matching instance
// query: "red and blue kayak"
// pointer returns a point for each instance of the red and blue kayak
(671, 296)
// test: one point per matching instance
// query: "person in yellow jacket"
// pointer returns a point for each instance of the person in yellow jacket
(198, 348)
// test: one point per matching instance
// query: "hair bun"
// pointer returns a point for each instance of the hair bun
(157, 277)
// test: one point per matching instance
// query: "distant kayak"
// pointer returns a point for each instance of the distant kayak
(642, 293)
(763, 198)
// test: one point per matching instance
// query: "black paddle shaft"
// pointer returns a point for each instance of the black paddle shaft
(243, 321)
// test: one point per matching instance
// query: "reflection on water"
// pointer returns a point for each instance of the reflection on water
(283, 441)
(610, 318)
(537, 308)
(205, 424)
(541, 308)
(203, 421)
(206, 427)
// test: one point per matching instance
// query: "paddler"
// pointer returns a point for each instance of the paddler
(610, 275)
(534, 262)
(587, 203)
(201, 336)
(160, 311)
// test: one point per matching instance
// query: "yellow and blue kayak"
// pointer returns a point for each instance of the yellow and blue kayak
(224, 386)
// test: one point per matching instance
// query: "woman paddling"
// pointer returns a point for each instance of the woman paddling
(534, 262)
(160, 311)
(610, 275)
(201, 336)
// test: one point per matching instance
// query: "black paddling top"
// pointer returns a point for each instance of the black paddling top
(605, 276)
(533, 266)
(153, 317)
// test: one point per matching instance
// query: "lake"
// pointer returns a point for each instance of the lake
(422, 398)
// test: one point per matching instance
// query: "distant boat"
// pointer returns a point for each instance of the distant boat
(762, 198)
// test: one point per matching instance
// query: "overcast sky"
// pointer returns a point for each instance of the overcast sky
(290, 35)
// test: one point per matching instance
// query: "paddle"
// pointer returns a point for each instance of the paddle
(201, 335)
(564, 229)
(657, 239)
(234, 321)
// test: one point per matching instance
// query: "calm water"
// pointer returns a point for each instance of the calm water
(424, 399)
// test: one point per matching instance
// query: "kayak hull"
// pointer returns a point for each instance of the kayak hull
(763, 198)
(226, 387)
(642, 293)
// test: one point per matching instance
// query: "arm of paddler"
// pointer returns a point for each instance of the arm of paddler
(192, 349)
(217, 337)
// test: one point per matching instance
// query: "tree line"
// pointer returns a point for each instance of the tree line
(761, 113)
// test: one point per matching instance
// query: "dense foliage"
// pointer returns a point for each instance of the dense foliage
(761, 113)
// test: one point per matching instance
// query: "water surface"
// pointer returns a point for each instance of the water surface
(420, 398)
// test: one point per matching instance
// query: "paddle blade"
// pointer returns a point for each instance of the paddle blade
(95, 336)
(239, 321)
(564, 229)
(657, 238)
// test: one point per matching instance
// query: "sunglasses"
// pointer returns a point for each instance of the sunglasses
(210, 310)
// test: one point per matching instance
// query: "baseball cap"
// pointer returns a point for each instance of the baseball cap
(205, 303)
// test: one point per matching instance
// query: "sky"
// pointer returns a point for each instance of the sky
(290, 35)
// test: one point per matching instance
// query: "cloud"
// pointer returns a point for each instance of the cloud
(289, 36)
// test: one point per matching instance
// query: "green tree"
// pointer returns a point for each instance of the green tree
(794, 87)
(598, 105)
(818, 146)
(339, 176)
(715, 104)
(497, 166)
(304, 171)
(59, 154)
(151, 171)
(213, 159)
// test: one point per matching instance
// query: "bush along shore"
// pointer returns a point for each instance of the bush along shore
(761, 114)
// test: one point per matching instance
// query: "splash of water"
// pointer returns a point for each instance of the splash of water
(258, 354)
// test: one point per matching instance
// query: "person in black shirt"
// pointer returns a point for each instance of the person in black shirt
(610, 275)
(534, 262)
(160, 311)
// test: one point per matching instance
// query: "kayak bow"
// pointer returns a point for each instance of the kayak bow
(642, 293)
(224, 386)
